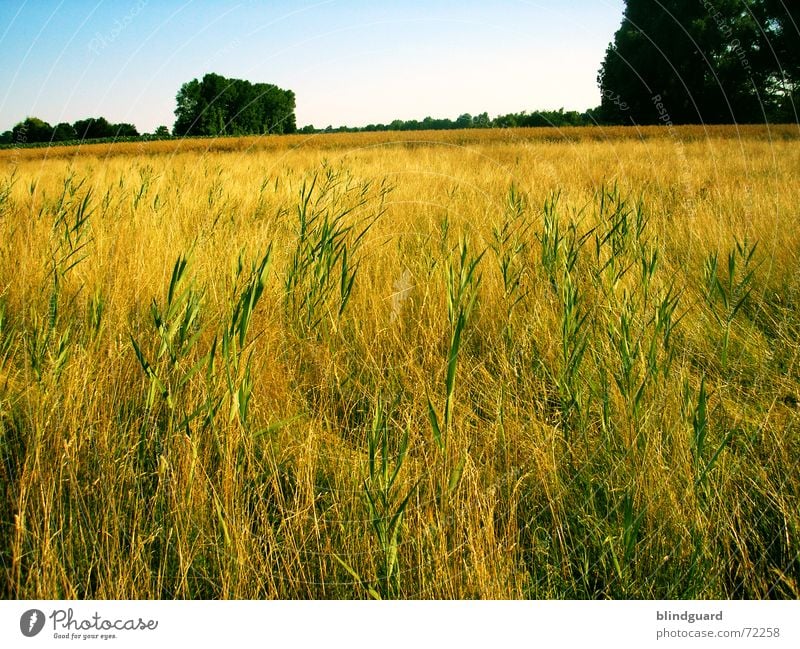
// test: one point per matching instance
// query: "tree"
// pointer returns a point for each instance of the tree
(506, 121)
(188, 109)
(124, 130)
(482, 121)
(64, 132)
(464, 121)
(6, 137)
(31, 129)
(219, 106)
(161, 132)
(93, 128)
(690, 61)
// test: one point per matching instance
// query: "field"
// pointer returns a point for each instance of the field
(495, 364)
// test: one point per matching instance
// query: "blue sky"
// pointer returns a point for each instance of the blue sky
(349, 62)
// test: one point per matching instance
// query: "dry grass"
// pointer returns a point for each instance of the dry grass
(592, 407)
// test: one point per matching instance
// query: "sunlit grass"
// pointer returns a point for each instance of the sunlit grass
(550, 363)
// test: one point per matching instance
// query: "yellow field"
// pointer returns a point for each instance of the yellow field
(497, 364)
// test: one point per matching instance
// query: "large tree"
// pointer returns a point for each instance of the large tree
(31, 129)
(216, 105)
(692, 61)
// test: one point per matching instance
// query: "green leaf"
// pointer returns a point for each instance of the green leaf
(371, 591)
(437, 433)
(455, 475)
(276, 426)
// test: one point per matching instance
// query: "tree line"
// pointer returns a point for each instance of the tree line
(197, 116)
(33, 130)
(537, 118)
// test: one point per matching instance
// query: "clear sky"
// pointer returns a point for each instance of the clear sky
(349, 62)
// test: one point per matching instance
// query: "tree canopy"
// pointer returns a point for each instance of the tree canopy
(692, 61)
(219, 106)
(99, 127)
(33, 130)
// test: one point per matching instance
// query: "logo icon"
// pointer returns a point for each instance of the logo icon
(31, 622)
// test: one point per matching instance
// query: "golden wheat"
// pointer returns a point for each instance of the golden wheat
(596, 410)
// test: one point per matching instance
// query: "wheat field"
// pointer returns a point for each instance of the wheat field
(480, 364)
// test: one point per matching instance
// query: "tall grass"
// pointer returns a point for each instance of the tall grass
(586, 385)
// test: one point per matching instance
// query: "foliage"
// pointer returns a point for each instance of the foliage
(216, 105)
(538, 118)
(99, 127)
(33, 130)
(683, 61)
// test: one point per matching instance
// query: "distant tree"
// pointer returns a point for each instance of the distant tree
(537, 118)
(464, 121)
(481, 121)
(6, 137)
(308, 128)
(31, 129)
(505, 121)
(64, 132)
(540, 118)
(124, 130)
(93, 128)
(161, 132)
(219, 106)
